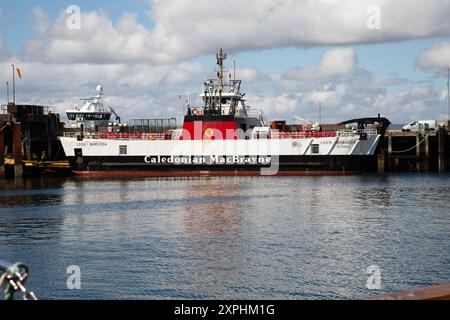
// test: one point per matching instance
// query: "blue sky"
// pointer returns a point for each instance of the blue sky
(389, 53)
(17, 27)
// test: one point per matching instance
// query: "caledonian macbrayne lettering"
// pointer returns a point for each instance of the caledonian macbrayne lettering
(210, 160)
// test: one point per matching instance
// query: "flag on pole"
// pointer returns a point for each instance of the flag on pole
(19, 73)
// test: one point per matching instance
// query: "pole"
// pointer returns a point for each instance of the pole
(7, 92)
(320, 112)
(14, 83)
(448, 96)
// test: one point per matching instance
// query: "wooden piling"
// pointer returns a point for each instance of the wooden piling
(441, 150)
(390, 152)
(381, 162)
(418, 153)
(17, 149)
(427, 153)
(2, 152)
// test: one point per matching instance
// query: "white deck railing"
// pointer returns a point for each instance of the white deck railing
(272, 135)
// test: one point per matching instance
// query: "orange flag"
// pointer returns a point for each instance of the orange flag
(19, 73)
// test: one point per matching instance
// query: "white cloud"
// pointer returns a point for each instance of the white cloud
(249, 75)
(334, 62)
(185, 29)
(420, 92)
(328, 95)
(137, 90)
(359, 94)
(182, 74)
(436, 57)
(273, 106)
(99, 41)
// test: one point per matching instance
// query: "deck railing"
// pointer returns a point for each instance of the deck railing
(120, 136)
(350, 132)
(302, 135)
(169, 135)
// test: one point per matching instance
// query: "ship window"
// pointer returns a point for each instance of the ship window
(78, 152)
(315, 149)
(225, 101)
(123, 150)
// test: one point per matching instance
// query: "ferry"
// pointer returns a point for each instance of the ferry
(226, 137)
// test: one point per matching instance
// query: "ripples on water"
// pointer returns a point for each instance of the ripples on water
(228, 238)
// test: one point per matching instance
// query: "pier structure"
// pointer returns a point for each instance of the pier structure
(27, 133)
(415, 151)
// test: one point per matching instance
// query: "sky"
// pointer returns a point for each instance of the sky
(356, 58)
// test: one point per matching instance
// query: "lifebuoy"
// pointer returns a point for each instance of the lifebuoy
(209, 133)
(197, 112)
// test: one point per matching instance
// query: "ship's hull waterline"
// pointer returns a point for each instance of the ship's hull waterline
(289, 157)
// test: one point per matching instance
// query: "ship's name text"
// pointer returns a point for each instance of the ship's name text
(209, 160)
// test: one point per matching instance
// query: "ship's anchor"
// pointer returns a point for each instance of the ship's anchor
(13, 281)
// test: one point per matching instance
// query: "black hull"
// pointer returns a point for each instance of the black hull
(288, 165)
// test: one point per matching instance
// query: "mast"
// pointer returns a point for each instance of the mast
(221, 56)
(7, 92)
(14, 83)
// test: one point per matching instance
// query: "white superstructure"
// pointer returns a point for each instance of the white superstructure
(91, 114)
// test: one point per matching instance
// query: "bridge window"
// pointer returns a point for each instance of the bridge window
(225, 101)
(315, 149)
(123, 150)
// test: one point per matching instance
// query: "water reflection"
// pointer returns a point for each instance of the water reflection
(22, 201)
(216, 211)
(225, 238)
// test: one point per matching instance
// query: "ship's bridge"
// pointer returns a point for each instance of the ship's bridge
(91, 114)
(223, 111)
(222, 99)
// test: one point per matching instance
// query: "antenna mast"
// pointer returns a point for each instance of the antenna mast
(221, 56)
(7, 92)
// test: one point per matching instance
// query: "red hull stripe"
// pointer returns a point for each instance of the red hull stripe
(95, 174)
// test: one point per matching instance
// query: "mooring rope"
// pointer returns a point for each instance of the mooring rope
(410, 149)
(4, 127)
